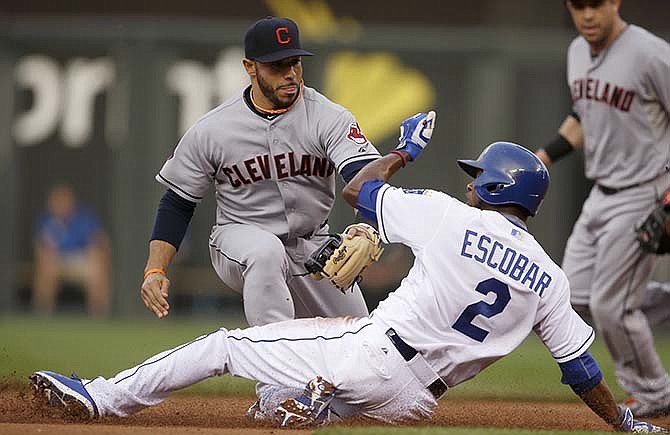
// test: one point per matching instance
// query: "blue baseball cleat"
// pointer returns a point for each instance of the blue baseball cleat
(66, 393)
(629, 424)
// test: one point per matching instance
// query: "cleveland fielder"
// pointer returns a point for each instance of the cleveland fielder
(272, 153)
(619, 78)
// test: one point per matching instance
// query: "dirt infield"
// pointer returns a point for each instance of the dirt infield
(225, 415)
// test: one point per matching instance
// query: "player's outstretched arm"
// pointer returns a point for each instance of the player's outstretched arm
(154, 291)
(570, 137)
(172, 219)
(415, 133)
(380, 169)
(586, 380)
(601, 401)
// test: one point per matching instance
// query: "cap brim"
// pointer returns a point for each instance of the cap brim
(283, 54)
(469, 166)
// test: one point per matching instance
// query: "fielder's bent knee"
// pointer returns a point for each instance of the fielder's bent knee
(271, 255)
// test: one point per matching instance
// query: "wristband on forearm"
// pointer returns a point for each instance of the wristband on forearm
(154, 270)
(401, 155)
(558, 148)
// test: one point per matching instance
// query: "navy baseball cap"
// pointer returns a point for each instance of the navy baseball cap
(271, 39)
(581, 4)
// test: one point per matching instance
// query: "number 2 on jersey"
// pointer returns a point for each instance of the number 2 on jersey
(464, 322)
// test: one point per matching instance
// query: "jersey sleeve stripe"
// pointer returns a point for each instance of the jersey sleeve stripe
(367, 156)
(574, 354)
(163, 180)
(380, 216)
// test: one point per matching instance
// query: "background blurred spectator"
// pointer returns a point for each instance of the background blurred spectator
(70, 246)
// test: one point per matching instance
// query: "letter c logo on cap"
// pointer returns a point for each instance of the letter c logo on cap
(282, 35)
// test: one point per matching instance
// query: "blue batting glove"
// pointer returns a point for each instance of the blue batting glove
(629, 424)
(415, 133)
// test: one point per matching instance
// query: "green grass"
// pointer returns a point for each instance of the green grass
(530, 373)
(92, 348)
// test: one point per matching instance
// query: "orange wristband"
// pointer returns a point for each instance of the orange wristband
(157, 270)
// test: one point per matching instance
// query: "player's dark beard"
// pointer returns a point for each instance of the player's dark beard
(271, 95)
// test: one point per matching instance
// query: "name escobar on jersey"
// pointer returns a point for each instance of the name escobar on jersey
(488, 251)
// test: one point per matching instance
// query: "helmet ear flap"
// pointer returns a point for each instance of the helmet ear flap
(495, 187)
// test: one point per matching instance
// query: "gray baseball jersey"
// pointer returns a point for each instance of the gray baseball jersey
(622, 97)
(276, 173)
(275, 186)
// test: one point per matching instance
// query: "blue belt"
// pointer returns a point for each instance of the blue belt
(438, 387)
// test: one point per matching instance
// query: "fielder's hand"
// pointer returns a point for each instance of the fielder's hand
(629, 424)
(343, 257)
(154, 294)
(415, 133)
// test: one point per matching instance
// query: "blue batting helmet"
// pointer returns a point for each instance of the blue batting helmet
(510, 174)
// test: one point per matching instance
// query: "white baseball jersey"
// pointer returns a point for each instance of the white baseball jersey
(273, 172)
(480, 283)
(622, 97)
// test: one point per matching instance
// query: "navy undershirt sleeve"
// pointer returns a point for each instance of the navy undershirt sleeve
(172, 218)
(350, 170)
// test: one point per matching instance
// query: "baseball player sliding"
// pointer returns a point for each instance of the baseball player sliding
(480, 284)
(619, 78)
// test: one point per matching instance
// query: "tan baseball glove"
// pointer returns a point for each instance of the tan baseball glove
(343, 257)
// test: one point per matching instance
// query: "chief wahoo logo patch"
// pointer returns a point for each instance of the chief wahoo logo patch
(356, 135)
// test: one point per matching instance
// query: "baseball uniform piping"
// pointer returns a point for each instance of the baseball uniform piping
(579, 350)
(381, 218)
(302, 338)
(217, 249)
(623, 323)
(367, 156)
(167, 355)
(197, 198)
